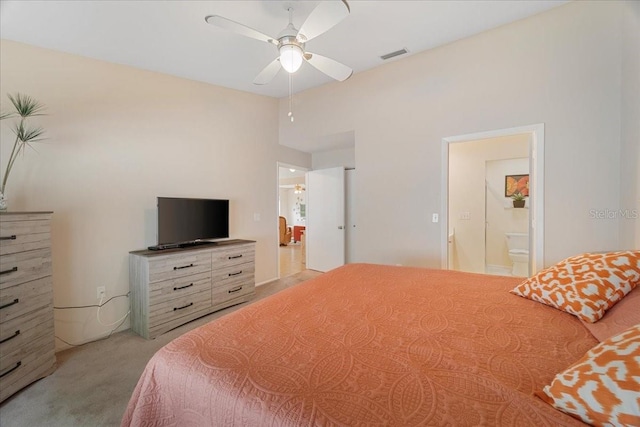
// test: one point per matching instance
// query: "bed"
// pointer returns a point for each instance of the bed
(368, 345)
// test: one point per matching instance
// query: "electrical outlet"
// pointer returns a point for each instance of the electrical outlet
(102, 292)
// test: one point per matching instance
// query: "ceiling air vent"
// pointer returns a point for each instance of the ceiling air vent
(394, 54)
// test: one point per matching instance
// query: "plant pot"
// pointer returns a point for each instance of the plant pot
(518, 203)
(3, 203)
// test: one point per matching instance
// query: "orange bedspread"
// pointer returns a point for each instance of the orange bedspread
(367, 345)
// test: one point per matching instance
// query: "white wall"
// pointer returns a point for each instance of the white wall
(630, 127)
(561, 68)
(295, 200)
(290, 205)
(334, 158)
(285, 204)
(502, 217)
(118, 138)
(467, 173)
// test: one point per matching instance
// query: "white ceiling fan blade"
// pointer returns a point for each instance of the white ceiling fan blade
(228, 24)
(268, 73)
(323, 17)
(330, 67)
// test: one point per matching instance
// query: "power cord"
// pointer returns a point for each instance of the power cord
(92, 305)
(98, 314)
(99, 305)
(96, 340)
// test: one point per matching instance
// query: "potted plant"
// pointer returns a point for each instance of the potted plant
(518, 199)
(25, 107)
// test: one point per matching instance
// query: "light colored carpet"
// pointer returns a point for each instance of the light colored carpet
(92, 383)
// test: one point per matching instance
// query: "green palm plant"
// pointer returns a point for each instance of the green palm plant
(518, 196)
(25, 108)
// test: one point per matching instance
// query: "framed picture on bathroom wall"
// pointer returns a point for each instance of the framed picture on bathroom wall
(516, 184)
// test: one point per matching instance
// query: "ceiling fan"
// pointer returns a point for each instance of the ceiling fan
(291, 41)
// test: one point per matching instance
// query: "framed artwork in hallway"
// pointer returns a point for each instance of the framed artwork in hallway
(516, 184)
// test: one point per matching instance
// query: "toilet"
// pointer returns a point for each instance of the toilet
(518, 244)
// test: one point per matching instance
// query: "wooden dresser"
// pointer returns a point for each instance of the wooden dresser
(172, 287)
(27, 343)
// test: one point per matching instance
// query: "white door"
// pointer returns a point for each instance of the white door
(325, 231)
(350, 226)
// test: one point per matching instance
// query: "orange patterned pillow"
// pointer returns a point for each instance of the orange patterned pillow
(602, 388)
(586, 285)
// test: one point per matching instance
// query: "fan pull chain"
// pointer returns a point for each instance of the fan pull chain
(290, 115)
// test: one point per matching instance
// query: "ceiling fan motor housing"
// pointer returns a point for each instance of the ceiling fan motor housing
(288, 41)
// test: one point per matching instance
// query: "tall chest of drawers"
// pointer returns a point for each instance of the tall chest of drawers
(172, 287)
(27, 343)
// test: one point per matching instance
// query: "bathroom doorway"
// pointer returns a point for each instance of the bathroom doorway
(507, 223)
(482, 231)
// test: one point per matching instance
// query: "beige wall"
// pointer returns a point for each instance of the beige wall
(630, 127)
(334, 158)
(502, 217)
(118, 138)
(561, 68)
(467, 174)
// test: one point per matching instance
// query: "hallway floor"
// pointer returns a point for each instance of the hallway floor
(291, 259)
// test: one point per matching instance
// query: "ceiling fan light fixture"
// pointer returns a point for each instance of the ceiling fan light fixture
(291, 57)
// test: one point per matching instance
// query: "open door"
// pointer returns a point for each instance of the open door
(325, 233)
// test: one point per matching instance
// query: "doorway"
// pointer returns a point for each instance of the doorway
(476, 235)
(292, 206)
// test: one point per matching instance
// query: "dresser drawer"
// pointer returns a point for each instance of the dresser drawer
(24, 266)
(160, 292)
(234, 274)
(171, 267)
(230, 291)
(21, 368)
(20, 236)
(24, 298)
(235, 255)
(17, 333)
(179, 307)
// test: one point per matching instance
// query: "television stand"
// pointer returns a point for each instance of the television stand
(172, 287)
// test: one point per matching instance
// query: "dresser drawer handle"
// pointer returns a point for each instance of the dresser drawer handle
(235, 290)
(11, 337)
(235, 257)
(8, 237)
(235, 274)
(183, 287)
(9, 271)
(184, 266)
(11, 370)
(9, 304)
(180, 308)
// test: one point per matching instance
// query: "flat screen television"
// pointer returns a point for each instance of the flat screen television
(183, 222)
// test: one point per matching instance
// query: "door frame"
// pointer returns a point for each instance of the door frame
(277, 224)
(536, 189)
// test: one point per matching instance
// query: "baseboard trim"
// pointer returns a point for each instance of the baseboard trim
(267, 281)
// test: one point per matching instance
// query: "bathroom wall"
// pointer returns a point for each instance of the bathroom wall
(502, 217)
(467, 164)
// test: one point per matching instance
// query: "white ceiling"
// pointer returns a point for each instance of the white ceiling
(172, 37)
